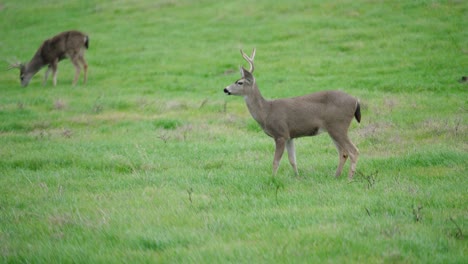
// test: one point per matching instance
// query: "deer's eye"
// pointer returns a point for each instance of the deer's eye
(240, 83)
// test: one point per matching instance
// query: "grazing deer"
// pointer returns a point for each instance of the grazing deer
(308, 115)
(71, 44)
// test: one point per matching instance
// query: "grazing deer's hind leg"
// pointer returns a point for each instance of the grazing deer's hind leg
(85, 68)
(353, 156)
(77, 69)
(279, 150)
(343, 157)
(46, 76)
(54, 71)
(342, 153)
(346, 149)
(292, 154)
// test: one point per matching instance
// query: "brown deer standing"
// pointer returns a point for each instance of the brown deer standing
(69, 44)
(308, 115)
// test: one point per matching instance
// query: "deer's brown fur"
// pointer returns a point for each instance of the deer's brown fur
(70, 44)
(308, 115)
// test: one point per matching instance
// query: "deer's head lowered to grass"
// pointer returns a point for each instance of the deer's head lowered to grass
(308, 115)
(69, 44)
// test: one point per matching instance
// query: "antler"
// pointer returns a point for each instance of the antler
(13, 65)
(249, 59)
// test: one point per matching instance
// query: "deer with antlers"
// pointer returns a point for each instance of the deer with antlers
(69, 44)
(289, 118)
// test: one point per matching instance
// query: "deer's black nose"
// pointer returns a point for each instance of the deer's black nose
(226, 91)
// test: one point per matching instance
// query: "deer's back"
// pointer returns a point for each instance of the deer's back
(307, 115)
(63, 45)
(318, 103)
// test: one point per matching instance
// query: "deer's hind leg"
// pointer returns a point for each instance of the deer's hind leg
(342, 155)
(85, 67)
(76, 63)
(46, 75)
(54, 67)
(346, 149)
(292, 154)
(353, 156)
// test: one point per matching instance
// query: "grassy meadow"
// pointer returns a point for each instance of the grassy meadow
(150, 162)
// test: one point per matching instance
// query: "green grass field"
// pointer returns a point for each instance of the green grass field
(150, 162)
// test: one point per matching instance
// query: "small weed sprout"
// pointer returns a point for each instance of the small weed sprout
(20, 105)
(59, 104)
(276, 193)
(371, 178)
(67, 133)
(164, 138)
(203, 103)
(417, 213)
(278, 185)
(98, 106)
(185, 131)
(60, 190)
(458, 232)
(458, 123)
(190, 191)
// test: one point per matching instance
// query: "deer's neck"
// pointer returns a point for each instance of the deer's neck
(257, 105)
(35, 64)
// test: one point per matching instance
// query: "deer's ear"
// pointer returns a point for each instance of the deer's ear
(246, 74)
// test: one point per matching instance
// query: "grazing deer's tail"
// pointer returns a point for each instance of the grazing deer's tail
(86, 42)
(357, 113)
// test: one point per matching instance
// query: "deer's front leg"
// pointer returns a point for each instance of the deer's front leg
(280, 144)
